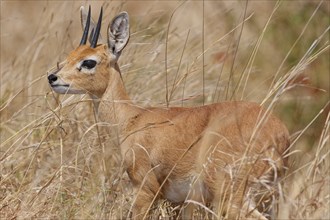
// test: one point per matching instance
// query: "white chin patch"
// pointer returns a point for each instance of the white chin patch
(66, 90)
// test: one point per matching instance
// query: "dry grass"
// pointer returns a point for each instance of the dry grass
(52, 162)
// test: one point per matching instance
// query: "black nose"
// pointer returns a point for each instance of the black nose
(52, 78)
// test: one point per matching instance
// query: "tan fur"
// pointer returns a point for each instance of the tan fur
(217, 153)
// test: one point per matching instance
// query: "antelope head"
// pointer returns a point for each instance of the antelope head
(86, 69)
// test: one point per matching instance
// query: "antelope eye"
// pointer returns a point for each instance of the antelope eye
(88, 64)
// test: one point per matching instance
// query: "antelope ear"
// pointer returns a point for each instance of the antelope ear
(83, 19)
(118, 34)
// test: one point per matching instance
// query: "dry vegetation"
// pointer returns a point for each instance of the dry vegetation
(51, 159)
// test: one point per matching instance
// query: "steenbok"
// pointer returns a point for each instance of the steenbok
(227, 156)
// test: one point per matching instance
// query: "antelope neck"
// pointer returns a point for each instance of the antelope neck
(115, 105)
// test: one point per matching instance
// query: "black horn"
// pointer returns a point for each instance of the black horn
(97, 30)
(85, 34)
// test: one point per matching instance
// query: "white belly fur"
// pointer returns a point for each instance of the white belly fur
(180, 190)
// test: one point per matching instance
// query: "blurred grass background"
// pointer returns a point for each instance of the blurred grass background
(52, 162)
